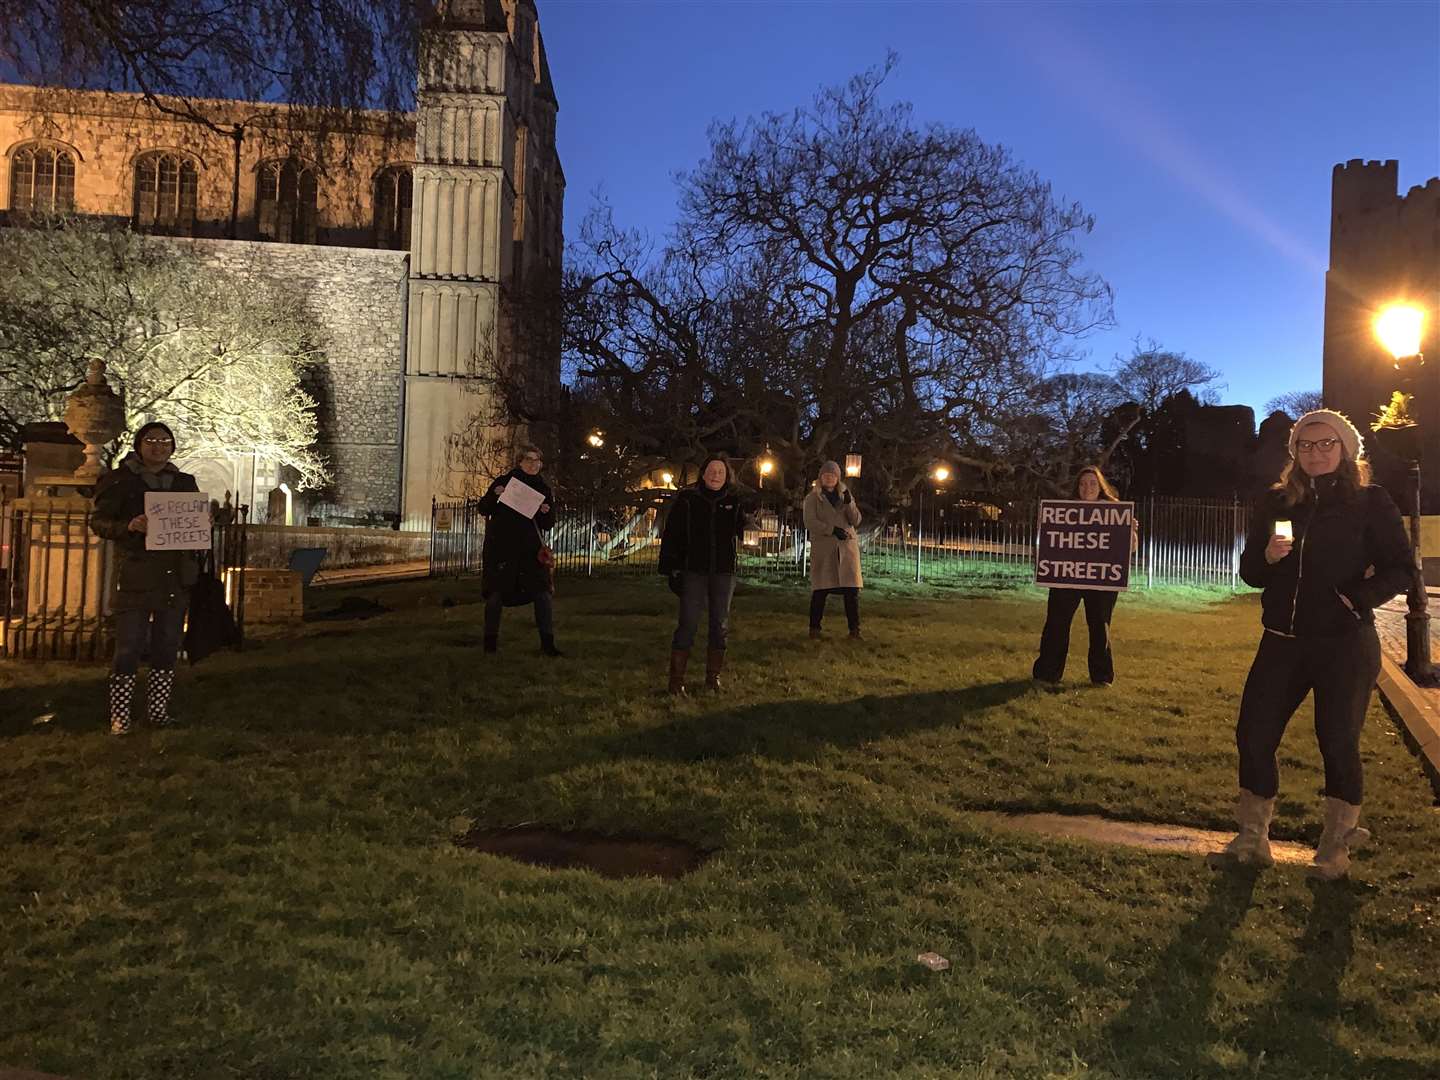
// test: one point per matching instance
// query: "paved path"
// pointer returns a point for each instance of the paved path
(1417, 706)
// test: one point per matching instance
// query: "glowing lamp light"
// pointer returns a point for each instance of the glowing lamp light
(852, 464)
(1398, 328)
(596, 440)
(667, 478)
(941, 473)
(767, 467)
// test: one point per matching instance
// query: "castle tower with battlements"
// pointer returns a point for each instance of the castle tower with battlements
(1384, 248)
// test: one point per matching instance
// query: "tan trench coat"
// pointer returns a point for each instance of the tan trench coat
(834, 564)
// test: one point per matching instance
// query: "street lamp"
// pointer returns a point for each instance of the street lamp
(667, 478)
(596, 439)
(766, 468)
(1399, 329)
(852, 464)
(939, 474)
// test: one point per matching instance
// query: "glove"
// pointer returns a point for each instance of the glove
(840, 534)
(676, 580)
(845, 498)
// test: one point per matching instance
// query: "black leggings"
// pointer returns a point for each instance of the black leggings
(851, 597)
(1341, 671)
(544, 614)
(1055, 638)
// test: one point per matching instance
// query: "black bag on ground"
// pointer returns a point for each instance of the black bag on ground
(211, 626)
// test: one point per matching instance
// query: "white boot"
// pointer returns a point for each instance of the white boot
(1251, 847)
(1341, 835)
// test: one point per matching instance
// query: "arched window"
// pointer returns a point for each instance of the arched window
(166, 186)
(42, 179)
(392, 207)
(286, 201)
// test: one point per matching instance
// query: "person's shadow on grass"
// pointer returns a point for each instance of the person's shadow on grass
(1299, 1025)
(1166, 1030)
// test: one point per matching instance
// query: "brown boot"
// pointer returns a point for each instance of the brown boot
(678, 659)
(714, 663)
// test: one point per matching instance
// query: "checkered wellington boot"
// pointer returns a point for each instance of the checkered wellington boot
(122, 692)
(157, 695)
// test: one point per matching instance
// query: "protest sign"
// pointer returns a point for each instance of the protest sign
(522, 498)
(177, 521)
(1084, 545)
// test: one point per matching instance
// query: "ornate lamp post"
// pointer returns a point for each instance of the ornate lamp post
(1399, 330)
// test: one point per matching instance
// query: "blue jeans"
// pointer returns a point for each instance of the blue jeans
(704, 590)
(159, 630)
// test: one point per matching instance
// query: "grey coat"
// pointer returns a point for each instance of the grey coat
(834, 564)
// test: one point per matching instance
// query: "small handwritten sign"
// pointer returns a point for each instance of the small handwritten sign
(1084, 545)
(177, 521)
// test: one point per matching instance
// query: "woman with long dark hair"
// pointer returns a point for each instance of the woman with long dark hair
(1327, 547)
(697, 553)
(513, 566)
(1090, 485)
(152, 588)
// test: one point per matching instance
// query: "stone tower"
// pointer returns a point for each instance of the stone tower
(486, 211)
(1384, 248)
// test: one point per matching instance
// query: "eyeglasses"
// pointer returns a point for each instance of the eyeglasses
(158, 442)
(1323, 445)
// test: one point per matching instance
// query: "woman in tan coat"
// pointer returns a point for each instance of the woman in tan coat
(831, 515)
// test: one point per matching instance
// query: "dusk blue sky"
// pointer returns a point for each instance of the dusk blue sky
(1200, 136)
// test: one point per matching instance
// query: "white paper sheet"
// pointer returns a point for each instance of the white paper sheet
(522, 498)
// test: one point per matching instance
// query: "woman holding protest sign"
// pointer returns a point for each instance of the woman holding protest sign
(1327, 547)
(831, 516)
(1090, 486)
(516, 567)
(152, 588)
(697, 555)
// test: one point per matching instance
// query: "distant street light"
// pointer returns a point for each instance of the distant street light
(596, 439)
(667, 478)
(939, 474)
(1399, 329)
(767, 466)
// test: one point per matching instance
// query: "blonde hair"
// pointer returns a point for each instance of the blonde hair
(1294, 484)
(1107, 490)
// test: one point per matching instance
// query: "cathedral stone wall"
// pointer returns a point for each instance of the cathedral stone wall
(357, 296)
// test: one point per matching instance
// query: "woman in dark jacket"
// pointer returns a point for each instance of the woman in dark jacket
(511, 571)
(697, 553)
(1063, 603)
(152, 588)
(1327, 547)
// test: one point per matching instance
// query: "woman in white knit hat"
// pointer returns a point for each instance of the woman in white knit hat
(831, 516)
(1327, 547)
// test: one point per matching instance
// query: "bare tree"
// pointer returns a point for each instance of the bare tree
(1152, 373)
(219, 356)
(841, 278)
(1296, 403)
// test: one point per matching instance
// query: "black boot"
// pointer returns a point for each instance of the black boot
(547, 645)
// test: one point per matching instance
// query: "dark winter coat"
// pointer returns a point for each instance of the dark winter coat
(510, 561)
(1338, 541)
(702, 531)
(144, 580)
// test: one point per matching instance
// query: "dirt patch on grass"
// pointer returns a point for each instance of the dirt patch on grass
(1144, 835)
(609, 856)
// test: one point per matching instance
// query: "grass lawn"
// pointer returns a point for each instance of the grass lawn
(273, 890)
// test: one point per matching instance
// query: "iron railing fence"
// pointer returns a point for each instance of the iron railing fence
(1193, 542)
(59, 576)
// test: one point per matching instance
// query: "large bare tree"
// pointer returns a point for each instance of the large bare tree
(841, 278)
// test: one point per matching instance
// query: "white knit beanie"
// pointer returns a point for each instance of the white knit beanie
(1349, 438)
